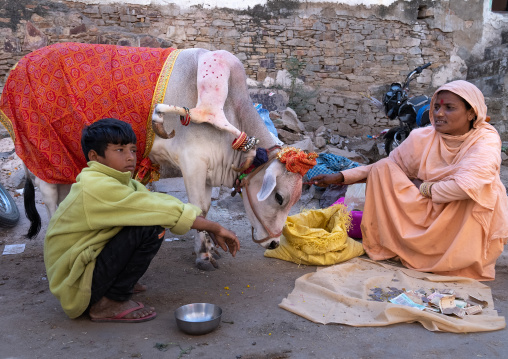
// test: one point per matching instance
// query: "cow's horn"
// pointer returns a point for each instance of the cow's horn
(159, 130)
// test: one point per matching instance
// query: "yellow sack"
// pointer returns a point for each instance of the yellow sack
(317, 237)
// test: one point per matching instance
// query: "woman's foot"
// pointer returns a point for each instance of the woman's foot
(138, 288)
(107, 310)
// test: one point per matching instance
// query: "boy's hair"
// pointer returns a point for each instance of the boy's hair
(100, 134)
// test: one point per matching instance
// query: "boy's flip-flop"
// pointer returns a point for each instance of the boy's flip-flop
(119, 318)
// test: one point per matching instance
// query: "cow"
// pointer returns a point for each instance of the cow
(206, 107)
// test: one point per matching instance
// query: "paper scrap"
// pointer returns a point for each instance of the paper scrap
(475, 309)
(14, 249)
(447, 302)
(403, 299)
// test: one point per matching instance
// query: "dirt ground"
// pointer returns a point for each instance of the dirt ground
(248, 288)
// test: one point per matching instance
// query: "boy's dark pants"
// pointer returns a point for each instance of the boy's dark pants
(124, 260)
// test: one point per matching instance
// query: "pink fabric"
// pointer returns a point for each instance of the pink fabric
(355, 230)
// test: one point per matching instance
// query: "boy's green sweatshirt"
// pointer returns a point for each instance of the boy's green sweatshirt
(100, 203)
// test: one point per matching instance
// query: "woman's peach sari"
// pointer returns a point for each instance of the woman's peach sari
(441, 235)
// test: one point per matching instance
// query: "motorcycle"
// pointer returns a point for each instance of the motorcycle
(412, 112)
(9, 214)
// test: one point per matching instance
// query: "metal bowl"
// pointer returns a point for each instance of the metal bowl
(198, 318)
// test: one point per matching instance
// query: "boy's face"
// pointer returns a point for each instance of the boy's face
(119, 157)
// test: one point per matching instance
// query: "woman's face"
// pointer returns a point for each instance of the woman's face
(450, 114)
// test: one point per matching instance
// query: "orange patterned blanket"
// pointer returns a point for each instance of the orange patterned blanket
(54, 92)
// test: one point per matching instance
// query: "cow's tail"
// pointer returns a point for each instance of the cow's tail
(30, 208)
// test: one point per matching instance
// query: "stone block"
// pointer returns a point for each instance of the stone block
(128, 18)
(91, 10)
(344, 129)
(344, 153)
(224, 23)
(305, 144)
(34, 38)
(376, 42)
(267, 63)
(312, 125)
(149, 41)
(415, 51)
(318, 25)
(288, 137)
(298, 42)
(322, 109)
(335, 100)
(78, 29)
(12, 44)
(336, 84)
(105, 9)
(409, 42)
(320, 142)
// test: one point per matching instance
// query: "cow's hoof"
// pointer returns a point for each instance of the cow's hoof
(206, 265)
(216, 254)
(214, 262)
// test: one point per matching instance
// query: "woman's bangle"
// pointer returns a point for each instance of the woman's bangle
(426, 189)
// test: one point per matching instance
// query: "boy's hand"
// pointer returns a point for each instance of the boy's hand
(221, 236)
(226, 239)
(325, 180)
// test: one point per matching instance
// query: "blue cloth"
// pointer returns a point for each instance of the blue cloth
(265, 115)
(328, 163)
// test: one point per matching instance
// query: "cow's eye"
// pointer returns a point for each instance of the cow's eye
(279, 198)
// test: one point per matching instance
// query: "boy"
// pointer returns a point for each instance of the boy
(108, 229)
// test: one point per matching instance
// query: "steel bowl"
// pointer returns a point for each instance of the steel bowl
(198, 318)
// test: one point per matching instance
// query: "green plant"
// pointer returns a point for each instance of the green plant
(298, 94)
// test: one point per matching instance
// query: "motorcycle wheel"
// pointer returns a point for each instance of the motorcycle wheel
(9, 214)
(394, 138)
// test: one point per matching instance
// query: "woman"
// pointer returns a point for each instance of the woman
(437, 202)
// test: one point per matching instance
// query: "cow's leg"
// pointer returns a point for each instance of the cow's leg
(49, 193)
(214, 70)
(200, 194)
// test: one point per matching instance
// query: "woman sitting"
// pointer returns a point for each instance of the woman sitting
(437, 202)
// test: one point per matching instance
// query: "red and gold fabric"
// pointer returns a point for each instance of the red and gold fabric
(54, 92)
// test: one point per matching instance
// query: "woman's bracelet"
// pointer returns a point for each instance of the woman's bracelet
(426, 189)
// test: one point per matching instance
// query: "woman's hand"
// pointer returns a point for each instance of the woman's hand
(327, 179)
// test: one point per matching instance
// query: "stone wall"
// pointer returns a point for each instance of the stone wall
(339, 54)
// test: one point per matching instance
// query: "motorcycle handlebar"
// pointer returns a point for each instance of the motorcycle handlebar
(419, 69)
(415, 72)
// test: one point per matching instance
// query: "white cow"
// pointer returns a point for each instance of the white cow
(212, 84)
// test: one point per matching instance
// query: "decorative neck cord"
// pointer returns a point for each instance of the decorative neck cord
(260, 159)
(185, 120)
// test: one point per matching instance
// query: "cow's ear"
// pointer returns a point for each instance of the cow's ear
(269, 182)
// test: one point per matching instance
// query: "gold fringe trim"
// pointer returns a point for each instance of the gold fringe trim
(7, 124)
(158, 97)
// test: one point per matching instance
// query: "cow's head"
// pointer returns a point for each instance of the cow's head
(270, 192)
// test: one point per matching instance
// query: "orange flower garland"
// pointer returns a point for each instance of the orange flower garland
(296, 160)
